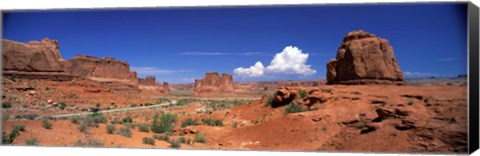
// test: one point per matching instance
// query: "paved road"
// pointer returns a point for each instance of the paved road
(113, 110)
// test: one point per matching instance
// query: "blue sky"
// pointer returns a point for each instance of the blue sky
(178, 45)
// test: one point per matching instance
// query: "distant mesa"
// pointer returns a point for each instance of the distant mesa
(214, 84)
(166, 87)
(149, 83)
(363, 58)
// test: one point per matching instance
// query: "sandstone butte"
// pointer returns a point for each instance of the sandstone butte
(150, 83)
(363, 58)
(33, 56)
(214, 84)
(42, 59)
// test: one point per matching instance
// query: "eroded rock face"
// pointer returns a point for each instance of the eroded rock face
(149, 81)
(165, 86)
(214, 84)
(364, 58)
(89, 66)
(33, 56)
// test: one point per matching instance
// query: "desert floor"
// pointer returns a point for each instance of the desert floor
(357, 118)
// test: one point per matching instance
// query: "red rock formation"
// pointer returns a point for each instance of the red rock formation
(111, 72)
(89, 66)
(214, 84)
(165, 86)
(148, 81)
(33, 60)
(33, 56)
(364, 58)
(42, 60)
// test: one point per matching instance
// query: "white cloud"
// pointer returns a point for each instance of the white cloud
(200, 53)
(449, 59)
(291, 61)
(254, 71)
(417, 74)
(153, 70)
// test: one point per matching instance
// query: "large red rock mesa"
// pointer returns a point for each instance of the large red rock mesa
(214, 84)
(89, 66)
(42, 59)
(111, 72)
(35, 59)
(364, 58)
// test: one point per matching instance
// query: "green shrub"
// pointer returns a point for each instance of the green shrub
(46, 124)
(20, 127)
(292, 108)
(156, 136)
(129, 125)
(83, 127)
(87, 122)
(174, 143)
(5, 117)
(234, 125)
(200, 138)
(143, 128)
(328, 90)
(99, 118)
(269, 100)
(90, 142)
(161, 137)
(62, 105)
(13, 134)
(189, 122)
(116, 121)
(6, 105)
(163, 123)
(410, 103)
(76, 120)
(125, 131)
(182, 140)
(212, 122)
(148, 140)
(127, 119)
(302, 93)
(111, 129)
(32, 141)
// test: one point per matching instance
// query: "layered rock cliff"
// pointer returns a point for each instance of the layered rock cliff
(214, 84)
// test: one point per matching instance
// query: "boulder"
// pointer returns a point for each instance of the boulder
(283, 96)
(363, 58)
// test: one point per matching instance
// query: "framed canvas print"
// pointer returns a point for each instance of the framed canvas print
(381, 77)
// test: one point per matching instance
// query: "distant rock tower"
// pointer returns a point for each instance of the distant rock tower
(363, 58)
(214, 84)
